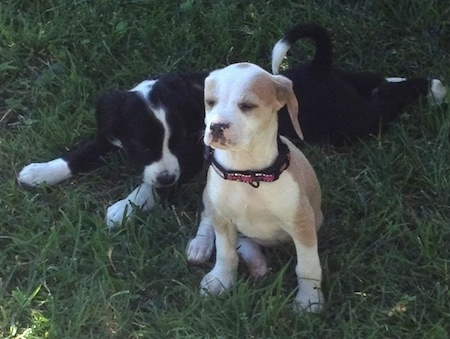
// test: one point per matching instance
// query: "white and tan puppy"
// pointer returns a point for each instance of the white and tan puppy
(261, 190)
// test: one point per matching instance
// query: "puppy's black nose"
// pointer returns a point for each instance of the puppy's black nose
(217, 129)
(166, 179)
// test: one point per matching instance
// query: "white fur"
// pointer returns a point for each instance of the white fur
(226, 110)
(201, 247)
(271, 214)
(438, 91)
(278, 53)
(168, 164)
(57, 170)
(251, 253)
(50, 173)
(141, 197)
(144, 88)
(267, 216)
(395, 79)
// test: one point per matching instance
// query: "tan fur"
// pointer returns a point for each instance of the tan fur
(244, 100)
(305, 177)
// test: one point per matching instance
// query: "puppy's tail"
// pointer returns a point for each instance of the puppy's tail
(322, 58)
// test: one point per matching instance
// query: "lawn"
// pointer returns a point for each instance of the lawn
(384, 245)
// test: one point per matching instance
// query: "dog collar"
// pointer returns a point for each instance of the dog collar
(253, 178)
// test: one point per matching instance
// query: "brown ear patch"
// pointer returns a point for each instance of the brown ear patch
(286, 96)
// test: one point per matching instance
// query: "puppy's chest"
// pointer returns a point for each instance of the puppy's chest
(260, 213)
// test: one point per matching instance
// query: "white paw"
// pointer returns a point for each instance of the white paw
(216, 282)
(437, 91)
(251, 253)
(200, 249)
(118, 213)
(309, 299)
(258, 269)
(50, 173)
(141, 197)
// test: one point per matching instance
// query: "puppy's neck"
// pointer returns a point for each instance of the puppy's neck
(259, 154)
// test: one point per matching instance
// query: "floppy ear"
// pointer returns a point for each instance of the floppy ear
(286, 96)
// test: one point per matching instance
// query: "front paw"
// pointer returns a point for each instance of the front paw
(200, 249)
(216, 283)
(50, 173)
(118, 213)
(309, 299)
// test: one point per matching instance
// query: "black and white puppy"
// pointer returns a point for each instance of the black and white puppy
(159, 124)
(337, 106)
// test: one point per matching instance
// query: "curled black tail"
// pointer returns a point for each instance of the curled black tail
(322, 58)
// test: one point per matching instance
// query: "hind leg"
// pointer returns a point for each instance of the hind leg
(438, 91)
(392, 97)
(390, 100)
(432, 89)
(82, 159)
(251, 253)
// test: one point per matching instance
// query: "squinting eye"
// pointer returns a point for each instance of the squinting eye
(210, 102)
(246, 106)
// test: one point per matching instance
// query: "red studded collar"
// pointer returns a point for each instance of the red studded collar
(269, 174)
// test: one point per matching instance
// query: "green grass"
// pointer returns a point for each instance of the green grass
(384, 245)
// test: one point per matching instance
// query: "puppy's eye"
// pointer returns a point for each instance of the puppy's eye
(247, 106)
(210, 102)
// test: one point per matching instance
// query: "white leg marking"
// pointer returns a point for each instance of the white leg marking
(437, 91)
(223, 275)
(251, 253)
(201, 247)
(168, 163)
(395, 79)
(309, 274)
(141, 197)
(50, 173)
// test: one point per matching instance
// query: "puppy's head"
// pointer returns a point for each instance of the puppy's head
(241, 103)
(128, 120)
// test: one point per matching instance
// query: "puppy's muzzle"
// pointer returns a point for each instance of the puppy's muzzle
(217, 129)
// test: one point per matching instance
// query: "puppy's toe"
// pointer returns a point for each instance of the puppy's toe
(200, 249)
(309, 300)
(437, 91)
(213, 284)
(118, 213)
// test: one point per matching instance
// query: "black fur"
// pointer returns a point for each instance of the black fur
(124, 116)
(337, 106)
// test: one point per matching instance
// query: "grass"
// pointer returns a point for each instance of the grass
(383, 246)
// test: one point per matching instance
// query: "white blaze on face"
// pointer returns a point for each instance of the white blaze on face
(239, 97)
(168, 164)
